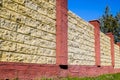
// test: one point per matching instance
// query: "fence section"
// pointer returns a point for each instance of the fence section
(81, 42)
(27, 31)
(105, 48)
(41, 38)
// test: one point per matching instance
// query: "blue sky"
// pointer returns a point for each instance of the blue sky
(92, 9)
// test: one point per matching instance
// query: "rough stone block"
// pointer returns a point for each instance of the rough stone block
(7, 24)
(10, 4)
(24, 29)
(20, 1)
(4, 13)
(7, 45)
(7, 35)
(42, 34)
(20, 38)
(31, 5)
(22, 48)
(46, 52)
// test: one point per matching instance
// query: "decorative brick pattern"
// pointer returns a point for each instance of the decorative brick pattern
(105, 48)
(81, 42)
(27, 31)
(117, 56)
(112, 47)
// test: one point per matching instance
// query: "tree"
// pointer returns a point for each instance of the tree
(110, 23)
(118, 29)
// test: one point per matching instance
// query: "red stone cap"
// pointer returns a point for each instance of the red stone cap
(95, 23)
(110, 34)
(118, 43)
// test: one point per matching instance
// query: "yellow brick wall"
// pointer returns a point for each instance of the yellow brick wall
(28, 34)
(105, 50)
(80, 41)
(27, 31)
(117, 56)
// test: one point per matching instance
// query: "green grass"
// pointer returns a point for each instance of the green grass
(102, 77)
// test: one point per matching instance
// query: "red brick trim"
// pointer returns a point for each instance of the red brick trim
(28, 71)
(86, 71)
(96, 25)
(61, 32)
(112, 47)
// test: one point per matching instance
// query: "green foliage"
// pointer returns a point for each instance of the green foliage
(118, 29)
(110, 23)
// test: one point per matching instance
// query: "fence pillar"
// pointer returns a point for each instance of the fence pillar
(61, 32)
(96, 25)
(112, 47)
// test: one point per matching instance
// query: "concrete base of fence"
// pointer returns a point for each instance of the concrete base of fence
(25, 71)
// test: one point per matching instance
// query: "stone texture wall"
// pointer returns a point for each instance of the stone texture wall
(81, 42)
(117, 56)
(35, 31)
(28, 34)
(27, 31)
(105, 50)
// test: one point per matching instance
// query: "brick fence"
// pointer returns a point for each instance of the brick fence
(41, 38)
